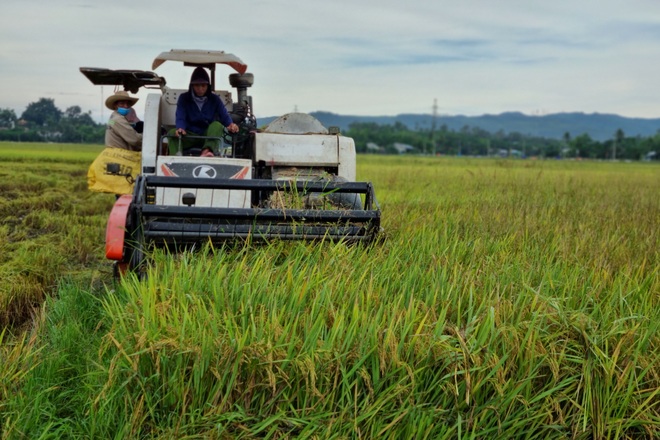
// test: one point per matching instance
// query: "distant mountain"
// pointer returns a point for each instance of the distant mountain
(599, 126)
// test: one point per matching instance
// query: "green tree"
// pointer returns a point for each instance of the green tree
(75, 114)
(581, 146)
(76, 126)
(42, 113)
(7, 118)
(634, 148)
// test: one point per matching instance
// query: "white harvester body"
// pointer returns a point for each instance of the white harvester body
(181, 198)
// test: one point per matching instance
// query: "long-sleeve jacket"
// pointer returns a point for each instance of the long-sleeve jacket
(191, 118)
(120, 134)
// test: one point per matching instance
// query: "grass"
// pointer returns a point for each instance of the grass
(511, 299)
(50, 223)
(47, 152)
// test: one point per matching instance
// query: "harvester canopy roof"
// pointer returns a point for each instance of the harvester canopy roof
(201, 58)
(132, 80)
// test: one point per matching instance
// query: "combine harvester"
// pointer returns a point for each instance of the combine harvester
(292, 180)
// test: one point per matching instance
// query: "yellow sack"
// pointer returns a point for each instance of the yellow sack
(100, 180)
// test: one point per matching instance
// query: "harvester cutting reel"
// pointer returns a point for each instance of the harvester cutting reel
(136, 223)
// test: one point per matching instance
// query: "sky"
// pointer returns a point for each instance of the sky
(350, 57)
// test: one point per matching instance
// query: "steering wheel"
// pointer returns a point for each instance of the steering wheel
(237, 140)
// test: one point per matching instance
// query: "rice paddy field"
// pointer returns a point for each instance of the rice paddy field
(509, 299)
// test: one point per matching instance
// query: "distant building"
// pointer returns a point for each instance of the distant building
(511, 152)
(374, 148)
(402, 148)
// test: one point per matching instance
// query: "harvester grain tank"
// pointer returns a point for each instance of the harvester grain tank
(292, 180)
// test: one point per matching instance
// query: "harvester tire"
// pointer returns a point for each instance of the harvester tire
(137, 259)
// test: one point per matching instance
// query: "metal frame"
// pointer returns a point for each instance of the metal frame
(184, 225)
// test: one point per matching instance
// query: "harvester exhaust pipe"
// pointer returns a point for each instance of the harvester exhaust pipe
(241, 82)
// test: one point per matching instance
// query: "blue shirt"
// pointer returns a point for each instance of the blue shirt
(191, 118)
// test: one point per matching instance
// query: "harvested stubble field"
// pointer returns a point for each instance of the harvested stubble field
(510, 299)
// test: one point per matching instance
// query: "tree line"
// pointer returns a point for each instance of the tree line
(473, 141)
(42, 121)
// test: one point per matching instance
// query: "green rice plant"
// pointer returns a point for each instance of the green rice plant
(51, 225)
(18, 355)
(53, 396)
(360, 348)
(510, 299)
(47, 153)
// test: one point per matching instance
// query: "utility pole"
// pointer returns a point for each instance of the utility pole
(433, 123)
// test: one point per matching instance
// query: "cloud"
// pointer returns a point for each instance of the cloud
(352, 57)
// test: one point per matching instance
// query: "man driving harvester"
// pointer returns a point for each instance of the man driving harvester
(199, 112)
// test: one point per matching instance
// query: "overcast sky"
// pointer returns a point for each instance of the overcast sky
(352, 57)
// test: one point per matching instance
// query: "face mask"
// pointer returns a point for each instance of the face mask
(122, 111)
